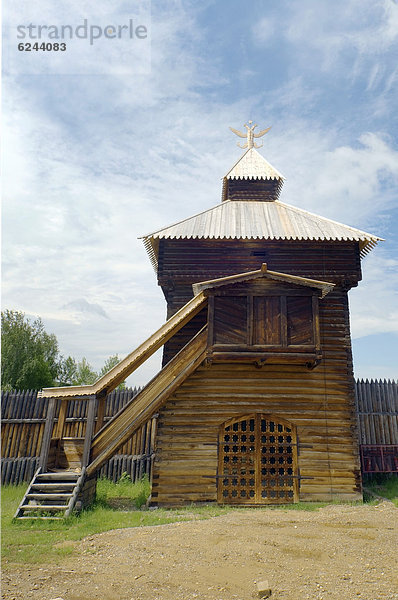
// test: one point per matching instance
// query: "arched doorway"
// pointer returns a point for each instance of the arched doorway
(257, 462)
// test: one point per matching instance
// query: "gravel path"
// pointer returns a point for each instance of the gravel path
(336, 553)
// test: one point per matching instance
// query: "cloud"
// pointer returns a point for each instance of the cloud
(82, 306)
(94, 162)
(374, 306)
(263, 31)
(353, 42)
(96, 42)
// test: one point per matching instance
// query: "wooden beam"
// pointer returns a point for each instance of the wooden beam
(100, 414)
(92, 409)
(315, 312)
(59, 429)
(250, 319)
(210, 321)
(283, 321)
(266, 357)
(148, 401)
(135, 359)
(48, 429)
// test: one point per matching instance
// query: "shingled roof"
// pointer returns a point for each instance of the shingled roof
(258, 220)
(252, 165)
(257, 215)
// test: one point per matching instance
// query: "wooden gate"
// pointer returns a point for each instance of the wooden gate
(257, 461)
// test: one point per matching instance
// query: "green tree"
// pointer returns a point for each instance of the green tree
(111, 362)
(29, 357)
(82, 373)
(85, 374)
(67, 371)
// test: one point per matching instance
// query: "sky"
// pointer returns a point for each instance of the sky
(118, 136)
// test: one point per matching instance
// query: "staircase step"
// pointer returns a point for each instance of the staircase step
(50, 518)
(52, 486)
(48, 496)
(50, 493)
(61, 476)
(44, 507)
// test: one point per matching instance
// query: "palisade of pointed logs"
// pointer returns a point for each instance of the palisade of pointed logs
(23, 417)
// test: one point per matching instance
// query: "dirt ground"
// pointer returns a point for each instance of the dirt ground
(336, 553)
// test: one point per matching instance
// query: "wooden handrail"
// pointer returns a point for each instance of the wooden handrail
(148, 401)
(108, 382)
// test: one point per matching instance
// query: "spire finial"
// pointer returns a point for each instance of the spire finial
(250, 135)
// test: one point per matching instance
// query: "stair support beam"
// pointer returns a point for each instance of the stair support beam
(47, 435)
(100, 413)
(91, 413)
(76, 492)
(148, 401)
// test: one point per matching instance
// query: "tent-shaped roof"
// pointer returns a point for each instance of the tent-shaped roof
(252, 165)
(276, 220)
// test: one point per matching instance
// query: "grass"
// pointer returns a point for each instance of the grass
(382, 485)
(38, 542)
(135, 495)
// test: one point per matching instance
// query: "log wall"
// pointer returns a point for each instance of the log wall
(195, 260)
(184, 262)
(319, 402)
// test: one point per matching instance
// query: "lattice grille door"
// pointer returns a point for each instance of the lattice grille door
(257, 461)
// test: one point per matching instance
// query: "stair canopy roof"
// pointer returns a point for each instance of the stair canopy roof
(324, 286)
(125, 367)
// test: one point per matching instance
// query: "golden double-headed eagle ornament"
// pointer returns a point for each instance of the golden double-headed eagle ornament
(250, 135)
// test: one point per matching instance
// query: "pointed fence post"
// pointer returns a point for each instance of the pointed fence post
(59, 430)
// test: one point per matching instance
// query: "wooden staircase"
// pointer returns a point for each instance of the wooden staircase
(51, 495)
(54, 490)
(141, 408)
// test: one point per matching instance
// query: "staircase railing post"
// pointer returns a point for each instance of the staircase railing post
(101, 413)
(48, 430)
(91, 413)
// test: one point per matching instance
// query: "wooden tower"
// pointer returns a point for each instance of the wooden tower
(269, 416)
(255, 399)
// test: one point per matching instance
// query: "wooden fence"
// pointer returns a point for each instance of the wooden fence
(377, 410)
(23, 416)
